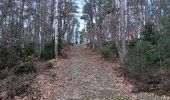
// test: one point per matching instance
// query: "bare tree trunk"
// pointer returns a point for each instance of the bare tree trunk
(60, 33)
(21, 22)
(37, 29)
(68, 34)
(55, 25)
(123, 30)
(92, 31)
(52, 31)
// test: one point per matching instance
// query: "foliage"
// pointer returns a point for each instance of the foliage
(3, 57)
(47, 53)
(26, 69)
(143, 55)
(3, 52)
(12, 55)
(165, 29)
(2, 66)
(109, 51)
(27, 50)
(164, 48)
(105, 52)
(81, 37)
(152, 51)
(8, 57)
(87, 9)
(148, 60)
(149, 34)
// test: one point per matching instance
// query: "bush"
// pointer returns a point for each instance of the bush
(26, 69)
(2, 66)
(4, 56)
(114, 49)
(164, 49)
(150, 34)
(11, 56)
(27, 50)
(144, 55)
(47, 53)
(3, 52)
(150, 51)
(105, 52)
(109, 51)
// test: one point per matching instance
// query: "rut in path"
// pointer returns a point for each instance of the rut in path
(85, 76)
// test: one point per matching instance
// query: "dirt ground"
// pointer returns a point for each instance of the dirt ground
(84, 75)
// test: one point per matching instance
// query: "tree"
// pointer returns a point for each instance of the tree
(55, 25)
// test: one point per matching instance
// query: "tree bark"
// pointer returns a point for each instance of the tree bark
(55, 25)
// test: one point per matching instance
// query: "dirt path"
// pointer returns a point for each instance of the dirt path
(85, 76)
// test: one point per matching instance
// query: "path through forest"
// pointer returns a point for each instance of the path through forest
(86, 76)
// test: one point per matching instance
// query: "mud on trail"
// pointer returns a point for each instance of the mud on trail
(84, 75)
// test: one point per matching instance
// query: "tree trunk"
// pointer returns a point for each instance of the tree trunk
(21, 22)
(123, 30)
(55, 25)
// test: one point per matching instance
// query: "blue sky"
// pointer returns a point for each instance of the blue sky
(80, 4)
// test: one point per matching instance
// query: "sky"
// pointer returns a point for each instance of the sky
(80, 4)
(78, 15)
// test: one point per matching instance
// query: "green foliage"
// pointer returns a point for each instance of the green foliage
(30, 68)
(13, 28)
(105, 52)
(143, 55)
(4, 56)
(3, 52)
(164, 48)
(149, 34)
(27, 50)
(166, 27)
(151, 52)
(47, 53)
(109, 51)
(11, 56)
(2, 66)
(26, 69)
(81, 37)
(114, 49)
(87, 9)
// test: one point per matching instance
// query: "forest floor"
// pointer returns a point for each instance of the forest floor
(84, 75)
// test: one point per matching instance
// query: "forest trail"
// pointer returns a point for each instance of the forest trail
(84, 75)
